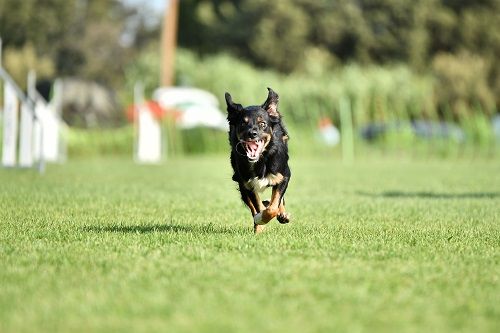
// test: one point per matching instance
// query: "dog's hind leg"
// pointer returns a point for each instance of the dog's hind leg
(283, 217)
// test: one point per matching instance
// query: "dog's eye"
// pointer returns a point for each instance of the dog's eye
(262, 124)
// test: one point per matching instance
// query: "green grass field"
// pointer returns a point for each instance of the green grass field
(383, 245)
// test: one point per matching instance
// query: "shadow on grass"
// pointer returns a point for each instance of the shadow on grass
(165, 228)
(432, 195)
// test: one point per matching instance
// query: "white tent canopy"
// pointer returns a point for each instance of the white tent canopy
(198, 107)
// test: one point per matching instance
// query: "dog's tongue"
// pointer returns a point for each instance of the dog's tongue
(253, 149)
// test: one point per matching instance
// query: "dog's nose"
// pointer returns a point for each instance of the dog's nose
(252, 133)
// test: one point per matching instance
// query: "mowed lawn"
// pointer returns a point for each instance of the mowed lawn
(382, 245)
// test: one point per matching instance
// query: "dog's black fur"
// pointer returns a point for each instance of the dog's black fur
(259, 157)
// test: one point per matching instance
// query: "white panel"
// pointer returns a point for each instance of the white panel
(26, 137)
(10, 122)
(149, 147)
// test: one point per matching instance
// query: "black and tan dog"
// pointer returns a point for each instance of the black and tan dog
(259, 157)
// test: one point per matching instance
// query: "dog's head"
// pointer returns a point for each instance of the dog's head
(252, 126)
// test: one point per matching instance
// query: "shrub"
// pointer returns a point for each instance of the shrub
(18, 62)
(462, 84)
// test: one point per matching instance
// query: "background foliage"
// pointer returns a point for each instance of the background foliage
(289, 34)
(82, 38)
(392, 60)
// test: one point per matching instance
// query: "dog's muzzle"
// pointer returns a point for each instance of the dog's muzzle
(253, 149)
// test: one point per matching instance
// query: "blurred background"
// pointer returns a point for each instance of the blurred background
(414, 78)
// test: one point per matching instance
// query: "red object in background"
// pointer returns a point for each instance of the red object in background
(157, 111)
(324, 122)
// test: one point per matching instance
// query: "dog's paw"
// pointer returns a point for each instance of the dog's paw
(257, 229)
(257, 219)
(283, 218)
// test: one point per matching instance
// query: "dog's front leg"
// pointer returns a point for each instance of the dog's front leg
(258, 228)
(272, 209)
(253, 202)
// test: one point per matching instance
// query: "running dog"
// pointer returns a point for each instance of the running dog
(259, 157)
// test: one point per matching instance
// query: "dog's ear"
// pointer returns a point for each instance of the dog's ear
(271, 104)
(232, 108)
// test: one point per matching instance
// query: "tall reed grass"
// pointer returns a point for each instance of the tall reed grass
(389, 97)
(393, 96)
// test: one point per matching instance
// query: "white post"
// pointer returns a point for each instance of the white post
(28, 142)
(149, 137)
(138, 100)
(10, 114)
(51, 127)
(26, 155)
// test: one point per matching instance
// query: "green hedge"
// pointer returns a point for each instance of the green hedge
(120, 141)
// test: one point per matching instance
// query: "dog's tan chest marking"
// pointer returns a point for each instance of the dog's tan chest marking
(260, 184)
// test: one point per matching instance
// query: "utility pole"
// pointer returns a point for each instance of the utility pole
(168, 43)
(0, 52)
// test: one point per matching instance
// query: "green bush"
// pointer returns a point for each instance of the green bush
(462, 85)
(18, 62)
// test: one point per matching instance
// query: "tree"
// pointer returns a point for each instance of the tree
(82, 38)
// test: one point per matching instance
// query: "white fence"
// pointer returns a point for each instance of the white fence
(31, 133)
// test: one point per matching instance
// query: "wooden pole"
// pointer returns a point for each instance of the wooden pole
(168, 43)
(0, 52)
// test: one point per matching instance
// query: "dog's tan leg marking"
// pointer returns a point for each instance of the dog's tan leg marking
(258, 228)
(283, 216)
(281, 208)
(271, 211)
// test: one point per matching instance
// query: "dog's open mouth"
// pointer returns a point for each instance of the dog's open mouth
(254, 149)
